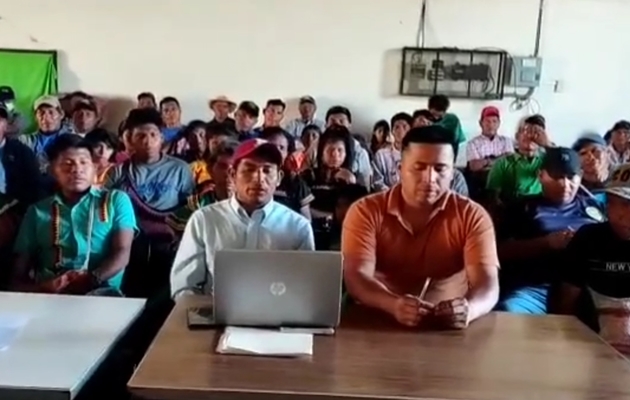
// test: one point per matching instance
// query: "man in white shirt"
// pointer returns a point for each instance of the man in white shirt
(248, 220)
(307, 107)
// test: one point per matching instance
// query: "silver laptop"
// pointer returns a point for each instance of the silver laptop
(300, 289)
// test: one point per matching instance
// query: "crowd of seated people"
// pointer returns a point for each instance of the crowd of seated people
(525, 227)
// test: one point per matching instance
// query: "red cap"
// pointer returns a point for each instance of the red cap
(258, 147)
(490, 111)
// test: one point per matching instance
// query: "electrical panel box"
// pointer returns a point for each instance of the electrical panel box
(524, 72)
(457, 73)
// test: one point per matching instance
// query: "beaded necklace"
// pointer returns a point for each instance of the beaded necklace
(103, 214)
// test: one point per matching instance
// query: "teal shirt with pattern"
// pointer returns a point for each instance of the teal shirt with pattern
(54, 251)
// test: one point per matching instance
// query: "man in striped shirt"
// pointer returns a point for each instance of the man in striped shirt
(482, 150)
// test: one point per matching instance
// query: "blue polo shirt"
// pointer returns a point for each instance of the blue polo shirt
(535, 217)
(171, 134)
(43, 140)
(57, 249)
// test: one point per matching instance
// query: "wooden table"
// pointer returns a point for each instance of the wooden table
(63, 342)
(501, 356)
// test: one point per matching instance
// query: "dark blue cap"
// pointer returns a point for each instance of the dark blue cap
(588, 138)
(561, 162)
(6, 94)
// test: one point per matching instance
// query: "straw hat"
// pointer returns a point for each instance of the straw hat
(223, 99)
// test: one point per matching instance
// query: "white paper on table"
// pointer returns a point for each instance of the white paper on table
(265, 342)
(10, 327)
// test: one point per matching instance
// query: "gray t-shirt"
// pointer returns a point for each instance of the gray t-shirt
(459, 185)
(163, 185)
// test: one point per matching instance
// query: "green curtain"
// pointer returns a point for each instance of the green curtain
(31, 74)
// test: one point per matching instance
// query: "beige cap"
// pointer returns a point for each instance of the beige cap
(50, 101)
(223, 99)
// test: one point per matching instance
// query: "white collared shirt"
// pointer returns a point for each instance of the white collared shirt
(225, 225)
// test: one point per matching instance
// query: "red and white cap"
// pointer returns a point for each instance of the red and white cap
(490, 111)
(258, 148)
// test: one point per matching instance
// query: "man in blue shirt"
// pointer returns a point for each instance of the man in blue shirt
(79, 240)
(535, 232)
(49, 116)
(172, 118)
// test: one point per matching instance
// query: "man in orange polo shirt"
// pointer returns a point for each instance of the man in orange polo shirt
(419, 234)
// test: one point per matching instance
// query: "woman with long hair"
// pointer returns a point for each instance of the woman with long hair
(333, 169)
(381, 136)
(104, 146)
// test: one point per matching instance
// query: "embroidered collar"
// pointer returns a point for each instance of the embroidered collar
(93, 192)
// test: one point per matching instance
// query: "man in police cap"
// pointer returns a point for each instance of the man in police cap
(535, 232)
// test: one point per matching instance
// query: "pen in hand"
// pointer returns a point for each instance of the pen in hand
(425, 289)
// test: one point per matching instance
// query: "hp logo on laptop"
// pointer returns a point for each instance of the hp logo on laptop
(277, 288)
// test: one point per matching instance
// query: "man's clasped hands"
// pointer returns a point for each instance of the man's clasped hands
(412, 311)
(71, 282)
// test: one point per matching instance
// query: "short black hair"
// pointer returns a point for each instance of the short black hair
(227, 149)
(169, 99)
(143, 116)
(88, 105)
(311, 127)
(193, 126)
(439, 102)
(536, 120)
(250, 108)
(100, 135)
(80, 94)
(402, 116)
(273, 131)
(66, 142)
(213, 130)
(339, 110)
(336, 134)
(426, 114)
(351, 192)
(433, 134)
(276, 103)
(146, 95)
(621, 125)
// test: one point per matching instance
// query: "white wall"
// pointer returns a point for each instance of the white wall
(341, 51)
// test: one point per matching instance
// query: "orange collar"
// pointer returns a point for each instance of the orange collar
(395, 200)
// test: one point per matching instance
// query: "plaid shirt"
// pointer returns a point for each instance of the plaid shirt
(481, 147)
(386, 168)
